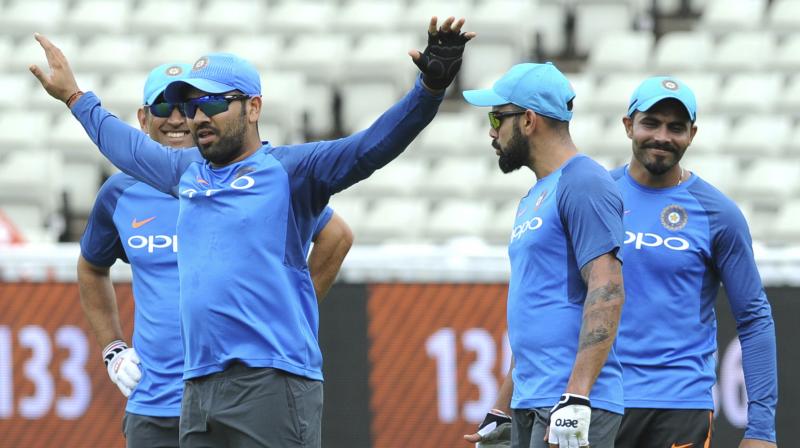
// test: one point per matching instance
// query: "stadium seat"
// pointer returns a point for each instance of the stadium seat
(156, 18)
(173, 47)
(223, 17)
(712, 130)
(111, 54)
(24, 129)
(584, 86)
(758, 136)
(721, 171)
(32, 176)
(69, 138)
(597, 19)
(749, 93)
(511, 22)
(283, 98)
(784, 16)
(415, 17)
(362, 103)
(787, 55)
(381, 57)
(402, 177)
(720, 16)
(498, 228)
(29, 219)
(475, 68)
(586, 129)
(785, 228)
(20, 84)
(503, 186)
(770, 180)
(706, 87)
(453, 133)
(299, 17)
(24, 17)
(318, 57)
(683, 51)
(792, 144)
(263, 50)
(613, 93)
(96, 17)
(124, 92)
(400, 218)
(455, 177)
(362, 17)
(550, 23)
(457, 218)
(6, 49)
(621, 51)
(87, 81)
(614, 142)
(28, 51)
(81, 183)
(318, 116)
(743, 51)
(351, 208)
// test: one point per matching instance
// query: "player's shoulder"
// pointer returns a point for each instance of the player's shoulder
(721, 209)
(115, 185)
(583, 171)
(617, 173)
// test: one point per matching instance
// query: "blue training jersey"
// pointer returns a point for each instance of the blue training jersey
(568, 218)
(135, 223)
(680, 243)
(246, 294)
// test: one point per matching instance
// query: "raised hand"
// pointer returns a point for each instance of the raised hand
(60, 82)
(441, 60)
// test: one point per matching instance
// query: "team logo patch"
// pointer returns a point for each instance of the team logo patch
(674, 217)
(540, 199)
(669, 84)
(200, 64)
(174, 71)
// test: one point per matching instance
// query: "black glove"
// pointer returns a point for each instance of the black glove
(441, 60)
(494, 419)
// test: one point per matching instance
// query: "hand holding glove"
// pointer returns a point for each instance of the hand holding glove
(569, 422)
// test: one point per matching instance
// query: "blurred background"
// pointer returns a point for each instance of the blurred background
(437, 217)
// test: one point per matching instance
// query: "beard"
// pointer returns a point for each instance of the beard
(515, 155)
(658, 165)
(227, 147)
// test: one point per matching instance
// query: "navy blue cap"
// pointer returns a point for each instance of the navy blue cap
(217, 73)
(160, 77)
(541, 88)
(657, 88)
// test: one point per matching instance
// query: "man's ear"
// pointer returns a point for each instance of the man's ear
(254, 111)
(529, 121)
(142, 116)
(628, 122)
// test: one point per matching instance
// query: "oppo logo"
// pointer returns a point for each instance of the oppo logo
(531, 224)
(640, 240)
(153, 242)
(241, 183)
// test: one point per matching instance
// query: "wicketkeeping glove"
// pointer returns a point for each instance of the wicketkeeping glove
(441, 60)
(122, 364)
(495, 431)
(569, 421)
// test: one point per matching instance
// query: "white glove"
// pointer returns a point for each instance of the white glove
(569, 421)
(122, 364)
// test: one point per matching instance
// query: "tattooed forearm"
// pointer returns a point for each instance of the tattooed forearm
(600, 321)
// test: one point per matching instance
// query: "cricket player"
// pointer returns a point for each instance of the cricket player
(133, 222)
(249, 318)
(682, 238)
(566, 292)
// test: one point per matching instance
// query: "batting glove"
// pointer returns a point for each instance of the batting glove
(569, 421)
(495, 431)
(441, 60)
(122, 364)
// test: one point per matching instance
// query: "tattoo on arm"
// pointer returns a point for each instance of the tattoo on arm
(603, 304)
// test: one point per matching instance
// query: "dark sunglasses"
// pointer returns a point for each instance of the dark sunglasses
(164, 110)
(210, 104)
(495, 117)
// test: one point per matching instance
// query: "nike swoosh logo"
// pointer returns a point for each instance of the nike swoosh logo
(136, 224)
(685, 445)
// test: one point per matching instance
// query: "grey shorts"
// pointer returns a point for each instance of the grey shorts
(143, 431)
(528, 428)
(251, 407)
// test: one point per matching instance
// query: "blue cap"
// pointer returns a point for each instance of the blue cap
(657, 88)
(160, 77)
(541, 88)
(217, 73)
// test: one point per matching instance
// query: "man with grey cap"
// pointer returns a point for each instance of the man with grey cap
(249, 318)
(684, 237)
(566, 292)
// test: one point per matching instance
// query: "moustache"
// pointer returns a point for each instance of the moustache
(496, 145)
(663, 147)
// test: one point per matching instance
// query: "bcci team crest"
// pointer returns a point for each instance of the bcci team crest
(670, 84)
(200, 64)
(174, 70)
(674, 217)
